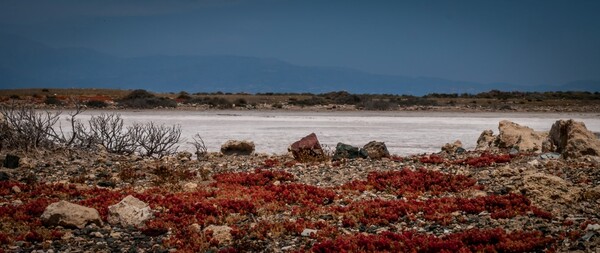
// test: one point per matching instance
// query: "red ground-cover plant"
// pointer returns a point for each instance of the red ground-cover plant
(303, 194)
(258, 178)
(475, 240)
(382, 212)
(236, 197)
(408, 181)
(433, 159)
(270, 163)
(484, 160)
(23, 220)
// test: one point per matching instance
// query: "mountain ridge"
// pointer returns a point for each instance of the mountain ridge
(25, 63)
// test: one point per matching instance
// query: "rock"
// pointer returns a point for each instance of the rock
(234, 147)
(592, 194)
(68, 235)
(69, 215)
(592, 227)
(4, 176)
(16, 189)
(513, 135)
(572, 139)
(26, 163)
(547, 146)
(307, 149)
(550, 155)
(307, 232)
(549, 189)
(534, 163)
(184, 156)
(97, 234)
(348, 152)
(129, 212)
(452, 148)
(115, 235)
(195, 227)
(11, 161)
(376, 150)
(485, 140)
(107, 184)
(220, 233)
(190, 187)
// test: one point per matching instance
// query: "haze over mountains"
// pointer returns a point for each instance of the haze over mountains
(26, 64)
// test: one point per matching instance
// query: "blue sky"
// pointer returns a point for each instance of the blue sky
(521, 42)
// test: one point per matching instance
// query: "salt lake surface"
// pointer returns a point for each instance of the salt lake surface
(404, 133)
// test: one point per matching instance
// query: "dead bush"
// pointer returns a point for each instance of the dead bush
(200, 147)
(108, 131)
(156, 140)
(25, 128)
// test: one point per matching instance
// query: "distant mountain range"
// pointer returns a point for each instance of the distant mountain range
(28, 64)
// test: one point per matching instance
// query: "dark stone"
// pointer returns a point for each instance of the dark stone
(11, 161)
(376, 150)
(107, 184)
(4, 176)
(326, 217)
(346, 151)
(460, 151)
(307, 149)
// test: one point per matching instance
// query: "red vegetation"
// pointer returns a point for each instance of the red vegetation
(475, 240)
(408, 181)
(484, 160)
(270, 163)
(236, 198)
(434, 159)
(258, 178)
(383, 212)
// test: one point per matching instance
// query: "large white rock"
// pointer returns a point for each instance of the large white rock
(513, 135)
(70, 215)
(129, 212)
(573, 139)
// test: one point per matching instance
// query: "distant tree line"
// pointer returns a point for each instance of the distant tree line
(496, 94)
(142, 99)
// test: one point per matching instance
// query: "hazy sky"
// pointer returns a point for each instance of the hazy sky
(522, 41)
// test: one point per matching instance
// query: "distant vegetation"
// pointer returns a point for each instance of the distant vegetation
(142, 99)
(496, 94)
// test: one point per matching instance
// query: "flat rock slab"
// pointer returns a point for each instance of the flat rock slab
(70, 215)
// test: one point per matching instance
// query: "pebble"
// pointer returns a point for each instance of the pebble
(307, 232)
(97, 234)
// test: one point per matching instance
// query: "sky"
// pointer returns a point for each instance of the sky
(522, 42)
